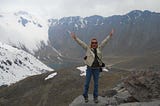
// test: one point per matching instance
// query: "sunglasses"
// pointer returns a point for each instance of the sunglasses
(94, 42)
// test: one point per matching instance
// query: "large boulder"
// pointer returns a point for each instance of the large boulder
(141, 86)
(119, 95)
(144, 85)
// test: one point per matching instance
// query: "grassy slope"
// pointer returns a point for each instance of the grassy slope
(134, 62)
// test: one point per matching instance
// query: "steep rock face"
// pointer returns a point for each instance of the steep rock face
(135, 33)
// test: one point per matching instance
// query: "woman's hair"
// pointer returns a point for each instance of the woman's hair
(91, 42)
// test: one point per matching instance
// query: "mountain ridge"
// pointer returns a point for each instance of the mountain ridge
(135, 33)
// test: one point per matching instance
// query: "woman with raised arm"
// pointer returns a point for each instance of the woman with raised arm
(93, 61)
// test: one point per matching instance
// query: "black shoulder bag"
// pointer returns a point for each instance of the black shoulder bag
(102, 64)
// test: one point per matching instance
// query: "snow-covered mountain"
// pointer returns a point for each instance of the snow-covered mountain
(17, 64)
(28, 32)
(21, 28)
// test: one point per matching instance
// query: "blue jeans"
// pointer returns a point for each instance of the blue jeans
(89, 72)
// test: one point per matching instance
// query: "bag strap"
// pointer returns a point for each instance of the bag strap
(97, 56)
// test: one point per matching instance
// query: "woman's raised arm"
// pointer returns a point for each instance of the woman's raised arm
(81, 43)
(104, 42)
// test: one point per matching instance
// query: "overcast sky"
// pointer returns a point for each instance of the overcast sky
(64, 8)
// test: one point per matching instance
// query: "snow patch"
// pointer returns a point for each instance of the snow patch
(84, 68)
(97, 22)
(76, 25)
(128, 18)
(102, 23)
(139, 14)
(82, 23)
(86, 22)
(51, 76)
(105, 69)
(59, 58)
(56, 51)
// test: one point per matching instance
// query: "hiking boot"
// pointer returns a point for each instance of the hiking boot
(96, 100)
(86, 99)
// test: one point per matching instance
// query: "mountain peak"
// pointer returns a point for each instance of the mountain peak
(135, 13)
(22, 13)
(95, 16)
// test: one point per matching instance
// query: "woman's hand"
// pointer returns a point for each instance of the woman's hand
(111, 33)
(73, 35)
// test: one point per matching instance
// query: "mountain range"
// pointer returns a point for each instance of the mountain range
(136, 33)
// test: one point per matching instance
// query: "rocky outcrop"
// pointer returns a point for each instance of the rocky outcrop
(139, 89)
(79, 101)
(144, 85)
(142, 88)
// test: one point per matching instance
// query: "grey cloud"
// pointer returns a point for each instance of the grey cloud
(61, 8)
